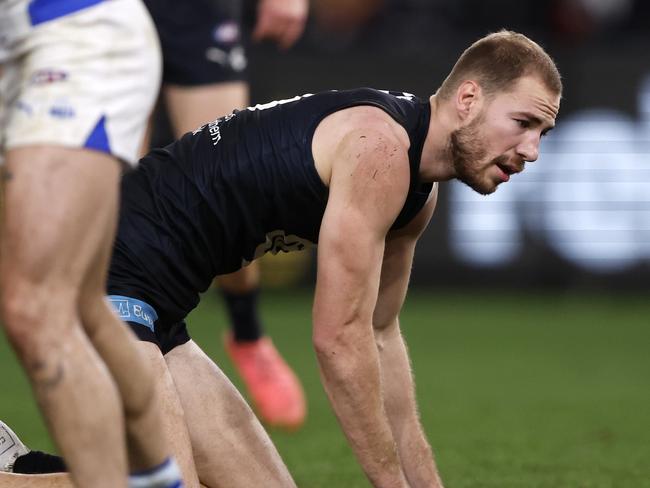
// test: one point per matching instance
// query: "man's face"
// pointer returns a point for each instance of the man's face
(505, 134)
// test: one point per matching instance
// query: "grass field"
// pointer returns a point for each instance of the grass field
(515, 390)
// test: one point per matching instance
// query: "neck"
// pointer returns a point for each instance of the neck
(436, 163)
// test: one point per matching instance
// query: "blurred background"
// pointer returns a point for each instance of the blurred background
(580, 216)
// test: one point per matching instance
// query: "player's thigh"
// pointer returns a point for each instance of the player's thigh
(190, 107)
(230, 445)
(57, 204)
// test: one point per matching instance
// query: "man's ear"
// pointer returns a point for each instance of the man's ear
(468, 98)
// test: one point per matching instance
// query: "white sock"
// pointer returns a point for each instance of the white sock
(167, 475)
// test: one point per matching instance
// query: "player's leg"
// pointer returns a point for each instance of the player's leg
(85, 102)
(273, 387)
(137, 368)
(58, 480)
(57, 204)
(172, 429)
(190, 107)
(230, 446)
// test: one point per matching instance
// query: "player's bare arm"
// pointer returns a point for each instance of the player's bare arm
(368, 186)
(396, 378)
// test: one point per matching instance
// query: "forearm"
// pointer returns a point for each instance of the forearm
(400, 404)
(350, 373)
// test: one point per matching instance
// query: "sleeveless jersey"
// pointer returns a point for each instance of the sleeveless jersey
(234, 189)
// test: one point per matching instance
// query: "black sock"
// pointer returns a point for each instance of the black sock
(242, 310)
(37, 462)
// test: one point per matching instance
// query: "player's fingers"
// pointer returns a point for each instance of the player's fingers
(291, 34)
(273, 27)
(261, 28)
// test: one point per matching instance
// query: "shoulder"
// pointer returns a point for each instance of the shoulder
(374, 144)
(376, 122)
(358, 133)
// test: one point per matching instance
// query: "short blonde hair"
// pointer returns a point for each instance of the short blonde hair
(498, 60)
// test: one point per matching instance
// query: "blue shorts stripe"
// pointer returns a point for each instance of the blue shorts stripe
(98, 139)
(45, 10)
(133, 310)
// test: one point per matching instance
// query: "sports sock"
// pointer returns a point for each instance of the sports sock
(167, 475)
(38, 462)
(243, 313)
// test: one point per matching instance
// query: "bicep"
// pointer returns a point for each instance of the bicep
(367, 191)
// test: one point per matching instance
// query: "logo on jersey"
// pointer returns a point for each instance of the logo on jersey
(226, 32)
(401, 95)
(43, 76)
(132, 310)
(215, 133)
(234, 58)
(62, 111)
(277, 241)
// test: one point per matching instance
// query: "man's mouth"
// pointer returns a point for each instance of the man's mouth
(508, 169)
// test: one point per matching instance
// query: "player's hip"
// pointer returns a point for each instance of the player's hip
(87, 78)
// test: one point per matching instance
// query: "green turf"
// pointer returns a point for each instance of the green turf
(515, 390)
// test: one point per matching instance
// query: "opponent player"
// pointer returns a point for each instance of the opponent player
(356, 171)
(77, 84)
(204, 75)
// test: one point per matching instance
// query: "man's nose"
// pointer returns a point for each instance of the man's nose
(528, 150)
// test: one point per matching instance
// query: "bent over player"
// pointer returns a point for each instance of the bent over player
(357, 172)
(204, 76)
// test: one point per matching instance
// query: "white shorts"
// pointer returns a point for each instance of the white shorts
(77, 73)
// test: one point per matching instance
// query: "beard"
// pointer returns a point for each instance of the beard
(467, 149)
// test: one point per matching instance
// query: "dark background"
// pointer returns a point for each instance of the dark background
(577, 218)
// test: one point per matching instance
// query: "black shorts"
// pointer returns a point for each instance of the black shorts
(145, 323)
(201, 40)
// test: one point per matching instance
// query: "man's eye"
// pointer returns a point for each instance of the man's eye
(524, 124)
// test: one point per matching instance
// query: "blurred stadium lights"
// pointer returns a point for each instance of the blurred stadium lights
(580, 216)
(588, 197)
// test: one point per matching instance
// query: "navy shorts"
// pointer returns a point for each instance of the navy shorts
(201, 40)
(145, 323)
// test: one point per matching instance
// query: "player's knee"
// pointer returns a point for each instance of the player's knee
(139, 400)
(33, 317)
(93, 310)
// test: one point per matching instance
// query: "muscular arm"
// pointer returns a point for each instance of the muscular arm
(368, 186)
(397, 382)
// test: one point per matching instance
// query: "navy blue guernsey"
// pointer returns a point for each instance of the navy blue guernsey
(235, 189)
